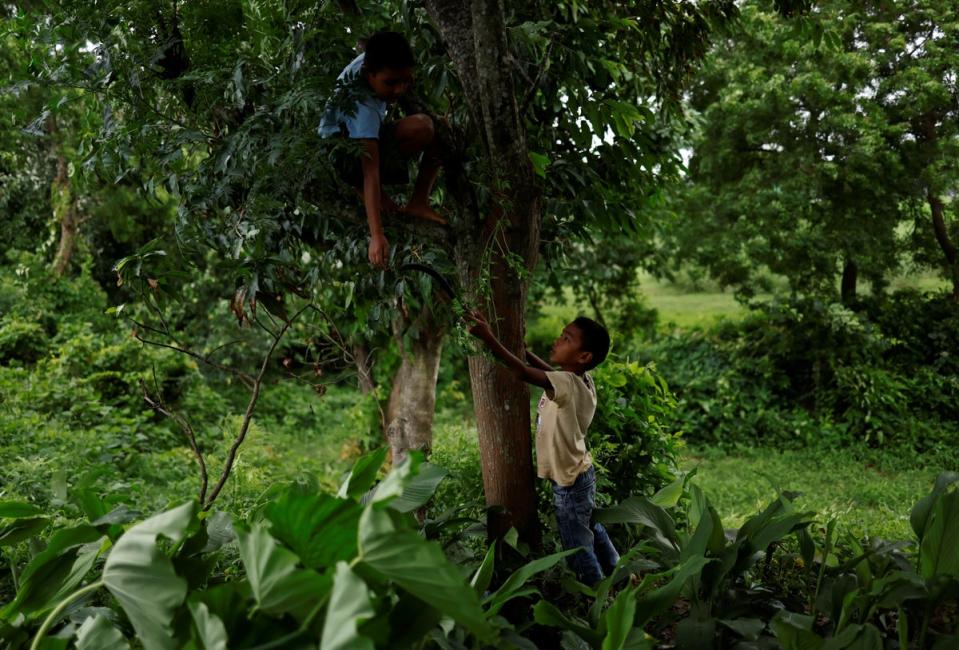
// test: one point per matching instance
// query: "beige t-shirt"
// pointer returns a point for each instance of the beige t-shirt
(561, 427)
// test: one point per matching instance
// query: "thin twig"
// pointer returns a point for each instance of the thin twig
(157, 405)
(244, 378)
(248, 416)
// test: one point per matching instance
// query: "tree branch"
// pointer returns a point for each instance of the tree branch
(157, 404)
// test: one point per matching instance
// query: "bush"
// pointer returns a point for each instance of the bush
(806, 372)
(630, 438)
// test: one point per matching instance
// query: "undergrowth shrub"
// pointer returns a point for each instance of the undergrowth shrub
(630, 437)
(806, 372)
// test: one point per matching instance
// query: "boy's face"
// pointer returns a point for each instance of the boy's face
(568, 350)
(389, 84)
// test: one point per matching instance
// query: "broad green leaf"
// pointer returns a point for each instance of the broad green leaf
(540, 163)
(669, 496)
(348, 609)
(219, 531)
(420, 567)
(545, 613)
(708, 538)
(794, 631)
(748, 628)
(510, 588)
(640, 510)
(207, 626)
(18, 510)
(142, 578)
(399, 478)
(939, 551)
(321, 529)
(484, 573)
(363, 474)
(278, 585)
(420, 489)
(618, 620)
(57, 570)
(856, 637)
(696, 632)
(21, 529)
(97, 633)
(657, 601)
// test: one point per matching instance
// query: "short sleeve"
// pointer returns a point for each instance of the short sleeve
(562, 386)
(366, 122)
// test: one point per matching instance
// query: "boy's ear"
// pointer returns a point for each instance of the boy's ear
(585, 358)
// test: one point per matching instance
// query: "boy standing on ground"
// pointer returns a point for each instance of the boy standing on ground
(373, 80)
(564, 414)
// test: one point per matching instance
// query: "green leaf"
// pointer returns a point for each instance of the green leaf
(18, 510)
(142, 578)
(348, 609)
(97, 633)
(55, 571)
(640, 510)
(748, 628)
(399, 478)
(420, 489)
(545, 613)
(207, 627)
(363, 474)
(658, 600)
(794, 631)
(540, 163)
(278, 585)
(619, 620)
(669, 496)
(20, 529)
(321, 529)
(696, 632)
(484, 573)
(510, 588)
(940, 540)
(420, 567)
(919, 517)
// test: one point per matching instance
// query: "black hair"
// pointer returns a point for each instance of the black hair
(388, 50)
(595, 339)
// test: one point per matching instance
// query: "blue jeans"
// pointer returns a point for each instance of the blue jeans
(574, 518)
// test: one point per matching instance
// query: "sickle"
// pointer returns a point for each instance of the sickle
(443, 283)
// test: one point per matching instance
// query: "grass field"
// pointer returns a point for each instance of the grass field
(868, 498)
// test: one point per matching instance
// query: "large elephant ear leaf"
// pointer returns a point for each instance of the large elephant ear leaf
(141, 577)
(97, 633)
(938, 555)
(418, 566)
(350, 606)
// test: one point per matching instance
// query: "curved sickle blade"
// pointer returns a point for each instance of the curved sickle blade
(441, 281)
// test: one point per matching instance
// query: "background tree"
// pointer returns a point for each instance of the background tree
(808, 157)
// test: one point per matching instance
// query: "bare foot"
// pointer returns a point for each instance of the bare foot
(424, 212)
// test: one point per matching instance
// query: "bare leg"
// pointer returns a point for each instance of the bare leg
(415, 134)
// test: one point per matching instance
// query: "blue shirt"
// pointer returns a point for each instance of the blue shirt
(369, 110)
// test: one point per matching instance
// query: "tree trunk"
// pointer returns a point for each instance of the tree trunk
(409, 412)
(64, 210)
(475, 36)
(850, 274)
(945, 242)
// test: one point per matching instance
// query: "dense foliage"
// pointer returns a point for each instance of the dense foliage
(816, 373)
(356, 570)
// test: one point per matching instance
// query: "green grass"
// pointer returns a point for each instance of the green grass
(870, 497)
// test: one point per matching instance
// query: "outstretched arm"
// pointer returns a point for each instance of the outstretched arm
(536, 362)
(379, 250)
(481, 330)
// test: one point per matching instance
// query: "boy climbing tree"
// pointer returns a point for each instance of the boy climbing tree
(563, 416)
(375, 79)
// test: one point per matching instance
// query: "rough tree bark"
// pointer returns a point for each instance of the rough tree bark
(409, 411)
(475, 36)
